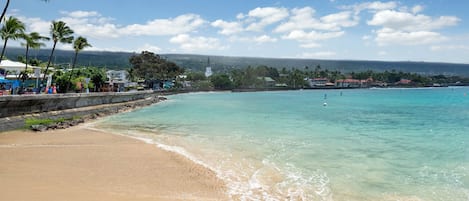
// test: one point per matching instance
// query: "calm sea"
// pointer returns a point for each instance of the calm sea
(372, 144)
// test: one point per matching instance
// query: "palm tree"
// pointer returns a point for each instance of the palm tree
(32, 40)
(79, 44)
(60, 32)
(13, 29)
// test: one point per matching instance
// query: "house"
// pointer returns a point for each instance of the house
(268, 81)
(117, 80)
(404, 82)
(349, 83)
(318, 82)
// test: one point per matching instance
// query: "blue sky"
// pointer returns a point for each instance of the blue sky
(433, 30)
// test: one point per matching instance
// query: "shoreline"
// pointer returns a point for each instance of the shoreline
(81, 163)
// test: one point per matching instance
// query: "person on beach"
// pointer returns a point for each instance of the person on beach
(54, 89)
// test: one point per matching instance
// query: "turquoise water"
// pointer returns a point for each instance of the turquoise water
(373, 144)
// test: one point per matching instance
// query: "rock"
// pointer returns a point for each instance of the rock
(52, 126)
(40, 128)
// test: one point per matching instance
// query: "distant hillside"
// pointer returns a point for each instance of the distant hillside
(223, 63)
(110, 60)
(120, 60)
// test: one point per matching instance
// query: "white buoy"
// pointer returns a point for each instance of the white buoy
(324, 104)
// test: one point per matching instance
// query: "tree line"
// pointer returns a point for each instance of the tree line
(255, 77)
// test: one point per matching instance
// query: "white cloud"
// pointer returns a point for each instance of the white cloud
(417, 9)
(410, 22)
(159, 27)
(301, 35)
(303, 18)
(388, 36)
(190, 44)
(382, 53)
(404, 28)
(310, 45)
(265, 16)
(341, 19)
(325, 54)
(372, 6)
(228, 28)
(94, 25)
(36, 25)
(366, 37)
(265, 39)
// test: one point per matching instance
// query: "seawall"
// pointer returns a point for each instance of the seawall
(14, 110)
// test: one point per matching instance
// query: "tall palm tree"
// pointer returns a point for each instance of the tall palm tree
(62, 33)
(32, 40)
(79, 44)
(12, 29)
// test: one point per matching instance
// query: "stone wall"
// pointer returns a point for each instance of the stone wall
(87, 112)
(30, 104)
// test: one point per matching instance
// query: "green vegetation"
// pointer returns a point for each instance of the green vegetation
(268, 77)
(78, 45)
(97, 78)
(62, 33)
(12, 29)
(150, 66)
(35, 121)
(32, 40)
(222, 82)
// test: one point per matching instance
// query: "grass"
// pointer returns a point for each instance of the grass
(35, 121)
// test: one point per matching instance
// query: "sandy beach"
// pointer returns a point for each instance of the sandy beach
(84, 164)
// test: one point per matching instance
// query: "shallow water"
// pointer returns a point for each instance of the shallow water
(373, 144)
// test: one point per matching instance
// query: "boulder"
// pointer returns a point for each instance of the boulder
(39, 128)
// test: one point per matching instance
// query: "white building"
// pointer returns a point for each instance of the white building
(117, 75)
(14, 68)
(208, 71)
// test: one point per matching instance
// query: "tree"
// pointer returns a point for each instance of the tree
(150, 66)
(60, 32)
(221, 82)
(78, 45)
(196, 76)
(32, 40)
(131, 74)
(12, 29)
(97, 77)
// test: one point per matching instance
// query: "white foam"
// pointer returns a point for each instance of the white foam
(241, 185)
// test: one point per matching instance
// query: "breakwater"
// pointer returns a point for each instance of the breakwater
(14, 110)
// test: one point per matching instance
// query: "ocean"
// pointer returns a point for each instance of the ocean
(353, 145)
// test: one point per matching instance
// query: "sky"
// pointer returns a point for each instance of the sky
(407, 30)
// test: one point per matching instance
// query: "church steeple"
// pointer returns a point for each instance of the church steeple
(208, 69)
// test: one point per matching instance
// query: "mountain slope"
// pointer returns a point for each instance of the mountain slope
(120, 60)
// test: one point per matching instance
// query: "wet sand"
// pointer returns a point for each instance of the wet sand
(84, 164)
